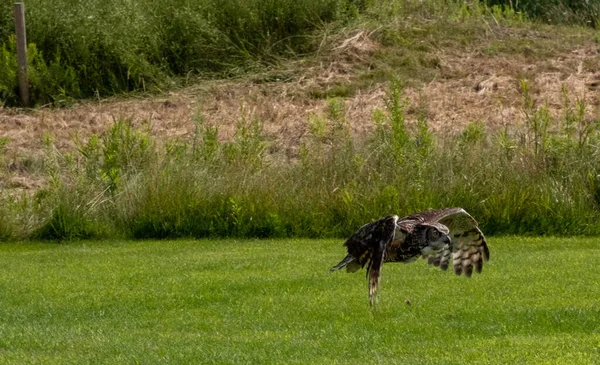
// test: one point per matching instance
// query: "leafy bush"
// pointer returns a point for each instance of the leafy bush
(48, 82)
(107, 47)
(8, 73)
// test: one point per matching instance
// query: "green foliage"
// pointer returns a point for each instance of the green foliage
(583, 12)
(7, 225)
(124, 150)
(3, 142)
(8, 73)
(51, 82)
(100, 48)
(248, 145)
(205, 144)
(66, 223)
(473, 134)
(107, 47)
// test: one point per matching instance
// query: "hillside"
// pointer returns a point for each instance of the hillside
(527, 90)
(478, 82)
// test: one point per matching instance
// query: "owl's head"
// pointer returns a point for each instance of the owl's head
(434, 234)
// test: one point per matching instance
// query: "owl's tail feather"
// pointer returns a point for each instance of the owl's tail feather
(349, 259)
(374, 274)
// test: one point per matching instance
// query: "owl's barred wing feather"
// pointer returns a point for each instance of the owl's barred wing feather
(468, 248)
(367, 247)
(442, 258)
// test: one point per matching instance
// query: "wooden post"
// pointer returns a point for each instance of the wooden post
(22, 52)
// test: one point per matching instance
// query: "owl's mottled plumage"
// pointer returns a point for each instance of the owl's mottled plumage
(438, 235)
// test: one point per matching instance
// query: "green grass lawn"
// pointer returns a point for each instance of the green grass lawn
(537, 301)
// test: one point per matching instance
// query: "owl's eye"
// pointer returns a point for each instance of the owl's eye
(435, 234)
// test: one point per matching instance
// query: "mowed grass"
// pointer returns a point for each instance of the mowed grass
(272, 301)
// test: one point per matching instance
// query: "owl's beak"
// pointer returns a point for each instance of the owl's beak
(446, 239)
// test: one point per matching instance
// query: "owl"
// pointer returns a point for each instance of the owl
(437, 235)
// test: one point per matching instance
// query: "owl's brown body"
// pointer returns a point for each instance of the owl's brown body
(439, 235)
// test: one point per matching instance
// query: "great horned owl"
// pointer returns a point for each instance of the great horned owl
(434, 234)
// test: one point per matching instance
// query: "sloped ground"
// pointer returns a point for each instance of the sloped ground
(479, 84)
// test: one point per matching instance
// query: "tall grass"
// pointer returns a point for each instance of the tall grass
(96, 47)
(539, 178)
(100, 48)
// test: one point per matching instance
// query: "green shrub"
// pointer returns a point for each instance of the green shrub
(51, 82)
(8, 73)
(107, 47)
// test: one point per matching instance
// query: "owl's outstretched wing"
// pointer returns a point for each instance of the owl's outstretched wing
(468, 247)
(367, 247)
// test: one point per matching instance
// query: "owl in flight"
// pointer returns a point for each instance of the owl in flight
(434, 234)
